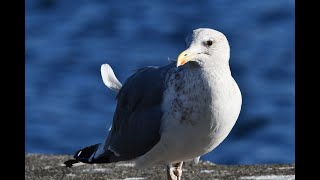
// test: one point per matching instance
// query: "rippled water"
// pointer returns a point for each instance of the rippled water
(68, 106)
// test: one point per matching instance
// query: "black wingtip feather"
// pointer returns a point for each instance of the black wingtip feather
(70, 162)
(84, 154)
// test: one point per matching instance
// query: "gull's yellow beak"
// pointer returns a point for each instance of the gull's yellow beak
(184, 57)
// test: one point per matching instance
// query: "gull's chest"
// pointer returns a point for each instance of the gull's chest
(187, 101)
(198, 109)
(198, 100)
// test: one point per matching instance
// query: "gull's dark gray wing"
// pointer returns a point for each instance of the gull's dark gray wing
(137, 119)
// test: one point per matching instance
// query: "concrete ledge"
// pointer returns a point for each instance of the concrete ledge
(45, 167)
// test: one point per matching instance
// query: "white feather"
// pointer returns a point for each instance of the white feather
(73, 165)
(78, 164)
(109, 78)
(196, 160)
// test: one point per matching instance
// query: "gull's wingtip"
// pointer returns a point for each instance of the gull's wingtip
(70, 163)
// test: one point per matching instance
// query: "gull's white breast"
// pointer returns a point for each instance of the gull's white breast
(200, 110)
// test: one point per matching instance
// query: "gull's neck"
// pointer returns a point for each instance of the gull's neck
(217, 70)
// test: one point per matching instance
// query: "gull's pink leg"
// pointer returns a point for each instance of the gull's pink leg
(178, 170)
(170, 174)
(174, 171)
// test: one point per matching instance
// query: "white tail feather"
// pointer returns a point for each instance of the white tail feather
(78, 164)
(109, 78)
(74, 165)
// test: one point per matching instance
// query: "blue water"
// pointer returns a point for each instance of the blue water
(68, 106)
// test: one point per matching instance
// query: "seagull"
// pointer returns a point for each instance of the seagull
(174, 113)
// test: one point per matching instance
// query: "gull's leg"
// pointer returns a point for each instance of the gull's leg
(174, 171)
(170, 174)
(178, 170)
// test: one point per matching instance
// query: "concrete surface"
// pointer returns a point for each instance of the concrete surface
(45, 167)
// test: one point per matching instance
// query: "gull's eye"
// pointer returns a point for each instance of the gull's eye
(209, 43)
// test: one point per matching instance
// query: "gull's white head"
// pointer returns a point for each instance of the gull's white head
(205, 47)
